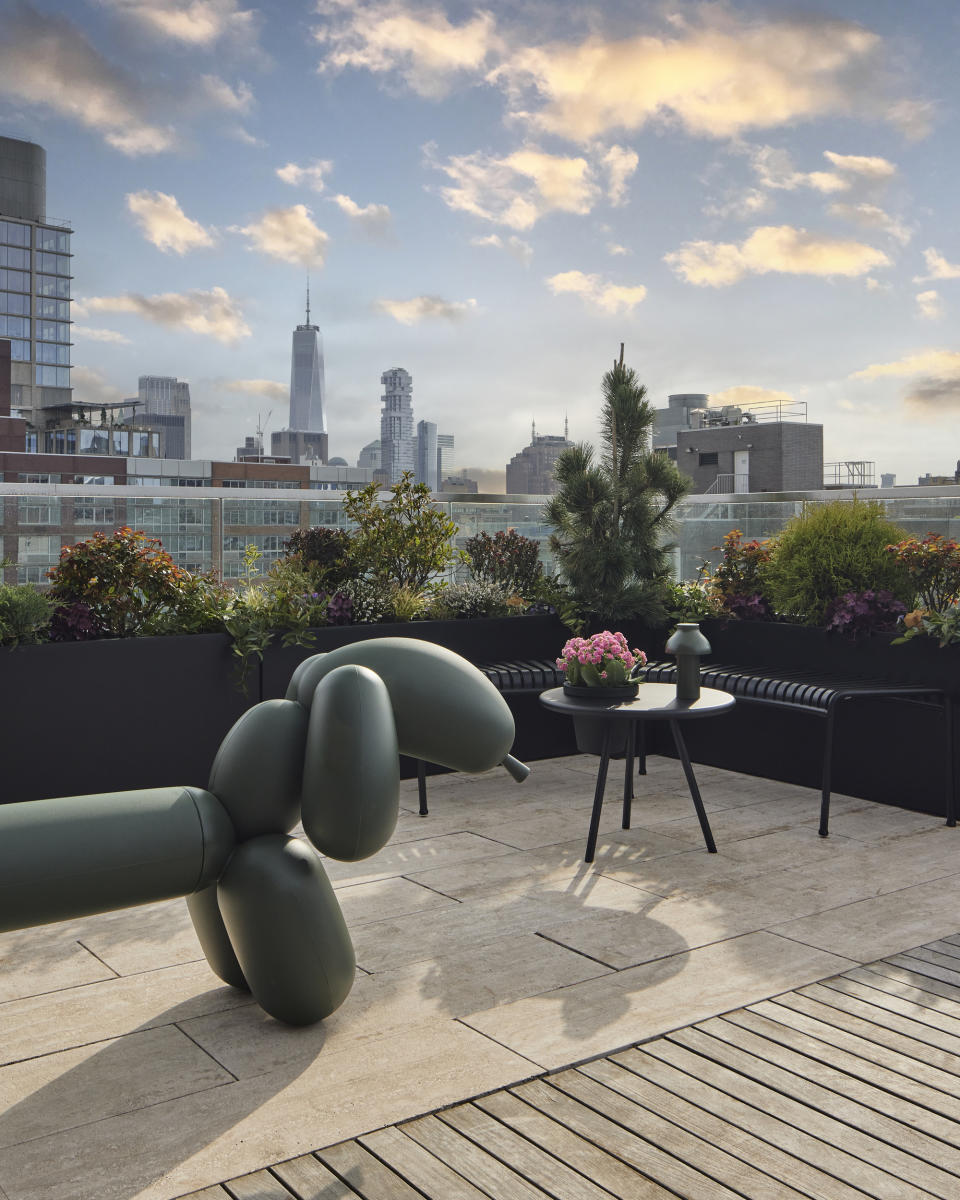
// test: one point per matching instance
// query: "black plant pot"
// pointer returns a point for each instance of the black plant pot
(589, 731)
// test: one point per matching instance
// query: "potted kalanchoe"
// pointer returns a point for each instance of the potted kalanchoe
(601, 666)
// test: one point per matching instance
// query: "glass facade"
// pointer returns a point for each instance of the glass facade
(210, 529)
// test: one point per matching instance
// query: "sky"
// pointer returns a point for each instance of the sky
(758, 198)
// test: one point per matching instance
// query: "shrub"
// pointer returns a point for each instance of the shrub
(327, 553)
(24, 614)
(370, 599)
(405, 542)
(130, 585)
(507, 558)
(856, 613)
(933, 565)
(829, 550)
(739, 582)
(472, 598)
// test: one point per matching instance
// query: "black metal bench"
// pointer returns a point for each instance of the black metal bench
(509, 678)
(820, 695)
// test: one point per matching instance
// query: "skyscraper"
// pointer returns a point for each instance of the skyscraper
(306, 435)
(35, 276)
(427, 456)
(165, 407)
(397, 442)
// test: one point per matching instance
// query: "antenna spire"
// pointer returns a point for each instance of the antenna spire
(308, 297)
(533, 430)
(566, 427)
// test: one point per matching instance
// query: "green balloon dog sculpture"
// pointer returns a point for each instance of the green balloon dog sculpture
(261, 903)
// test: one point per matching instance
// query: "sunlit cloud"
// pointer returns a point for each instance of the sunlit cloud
(937, 267)
(934, 380)
(164, 223)
(194, 23)
(779, 248)
(421, 46)
(420, 308)
(311, 176)
(868, 166)
(513, 245)
(924, 362)
(929, 306)
(237, 99)
(212, 313)
(519, 189)
(288, 235)
(597, 292)
(91, 387)
(614, 249)
(269, 389)
(372, 219)
(620, 165)
(746, 394)
(47, 61)
(92, 334)
(871, 216)
(719, 75)
(774, 169)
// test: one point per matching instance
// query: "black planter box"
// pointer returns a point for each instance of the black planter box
(104, 716)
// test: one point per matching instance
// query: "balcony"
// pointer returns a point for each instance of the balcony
(491, 957)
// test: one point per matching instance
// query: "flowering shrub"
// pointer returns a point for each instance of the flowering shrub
(603, 660)
(508, 559)
(473, 598)
(933, 565)
(855, 613)
(739, 581)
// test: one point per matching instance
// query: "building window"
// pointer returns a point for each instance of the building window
(53, 285)
(53, 376)
(10, 256)
(14, 302)
(39, 510)
(57, 240)
(18, 327)
(94, 514)
(38, 476)
(53, 264)
(54, 310)
(709, 459)
(53, 331)
(14, 233)
(49, 352)
(19, 351)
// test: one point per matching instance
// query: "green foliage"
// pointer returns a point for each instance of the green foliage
(693, 601)
(406, 604)
(612, 510)
(132, 586)
(372, 599)
(24, 614)
(831, 549)
(933, 565)
(943, 625)
(508, 559)
(740, 581)
(472, 598)
(326, 553)
(405, 542)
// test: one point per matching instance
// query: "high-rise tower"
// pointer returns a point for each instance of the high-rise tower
(397, 441)
(165, 407)
(305, 438)
(35, 276)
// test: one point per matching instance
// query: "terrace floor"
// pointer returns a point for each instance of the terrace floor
(489, 955)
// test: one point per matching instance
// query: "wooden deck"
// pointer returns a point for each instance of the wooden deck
(843, 1089)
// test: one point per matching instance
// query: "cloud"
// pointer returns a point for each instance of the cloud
(872, 217)
(513, 245)
(421, 46)
(914, 118)
(195, 23)
(47, 61)
(932, 395)
(419, 308)
(870, 167)
(212, 313)
(928, 305)
(287, 234)
(769, 248)
(373, 219)
(91, 387)
(518, 190)
(774, 169)
(270, 389)
(222, 95)
(944, 363)
(937, 267)
(719, 76)
(88, 333)
(164, 223)
(608, 297)
(746, 394)
(620, 165)
(311, 177)
(614, 249)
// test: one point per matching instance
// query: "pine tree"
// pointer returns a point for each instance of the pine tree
(613, 511)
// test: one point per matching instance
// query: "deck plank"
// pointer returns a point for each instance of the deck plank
(261, 1185)
(308, 1179)
(418, 1166)
(366, 1174)
(499, 1181)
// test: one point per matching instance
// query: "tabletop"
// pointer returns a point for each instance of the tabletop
(654, 701)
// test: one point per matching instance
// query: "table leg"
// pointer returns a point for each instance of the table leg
(692, 784)
(628, 780)
(598, 793)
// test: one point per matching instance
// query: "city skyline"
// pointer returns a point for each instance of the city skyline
(757, 201)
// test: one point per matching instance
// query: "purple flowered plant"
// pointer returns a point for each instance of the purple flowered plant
(856, 613)
(74, 623)
(602, 660)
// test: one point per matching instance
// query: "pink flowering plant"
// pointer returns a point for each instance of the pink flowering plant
(602, 660)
